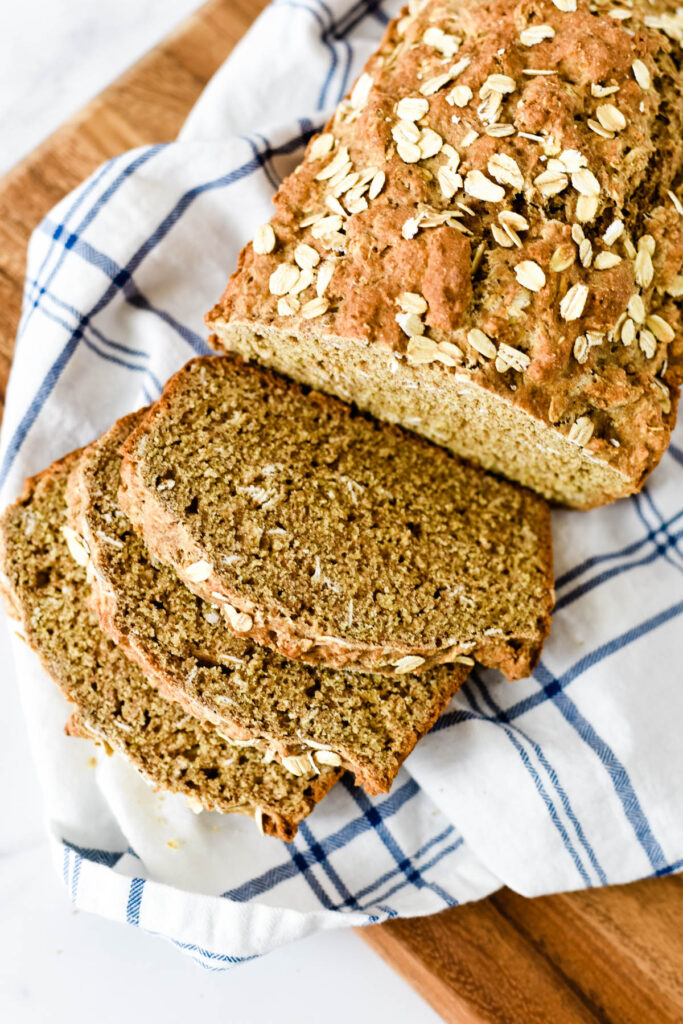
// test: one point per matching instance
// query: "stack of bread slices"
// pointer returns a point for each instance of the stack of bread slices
(251, 587)
(247, 589)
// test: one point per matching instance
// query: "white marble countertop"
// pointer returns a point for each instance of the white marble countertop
(57, 964)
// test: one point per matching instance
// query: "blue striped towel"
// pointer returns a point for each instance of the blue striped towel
(568, 779)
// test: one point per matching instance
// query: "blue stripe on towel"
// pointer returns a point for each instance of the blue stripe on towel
(135, 893)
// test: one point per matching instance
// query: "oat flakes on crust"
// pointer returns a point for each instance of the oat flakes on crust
(518, 168)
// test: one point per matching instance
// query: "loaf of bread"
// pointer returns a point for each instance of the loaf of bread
(308, 717)
(485, 244)
(45, 588)
(331, 537)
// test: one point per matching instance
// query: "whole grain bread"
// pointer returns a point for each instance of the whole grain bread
(486, 243)
(45, 588)
(331, 537)
(306, 716)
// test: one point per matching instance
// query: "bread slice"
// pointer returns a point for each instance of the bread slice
(333, 538)
(486, 242)
(306, 715)
(45, 588)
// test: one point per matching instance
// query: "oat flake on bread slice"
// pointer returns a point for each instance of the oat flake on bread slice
(331, 537)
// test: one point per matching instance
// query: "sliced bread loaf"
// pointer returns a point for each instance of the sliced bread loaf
(486, 243)
(333, 538)
(45, 588)
(305, 715)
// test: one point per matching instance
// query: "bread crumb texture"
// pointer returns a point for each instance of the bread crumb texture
(485, 243)
(332, 537)
(307, 717)
(46, 588)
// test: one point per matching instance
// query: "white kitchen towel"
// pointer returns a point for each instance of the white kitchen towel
(568, 779)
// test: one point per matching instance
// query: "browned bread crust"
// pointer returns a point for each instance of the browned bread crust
(45, 589)
(486, 243)
(219, 419)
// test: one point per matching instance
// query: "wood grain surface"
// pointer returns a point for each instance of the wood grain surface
(613, 956)
(606, 956)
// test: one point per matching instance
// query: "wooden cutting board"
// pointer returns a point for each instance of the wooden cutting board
(610, 955)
